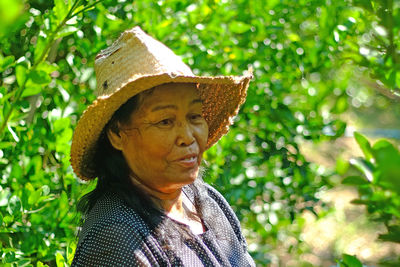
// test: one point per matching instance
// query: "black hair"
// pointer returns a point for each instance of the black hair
(113, 171)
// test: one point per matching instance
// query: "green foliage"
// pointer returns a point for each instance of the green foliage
(375, 51)
(379, 185)
(349, 261)
(299, 51)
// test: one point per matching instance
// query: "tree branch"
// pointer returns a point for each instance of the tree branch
(380, 88)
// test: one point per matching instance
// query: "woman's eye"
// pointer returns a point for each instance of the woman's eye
(196, 116)
(166, 122)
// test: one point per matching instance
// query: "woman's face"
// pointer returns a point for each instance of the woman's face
(166, 137)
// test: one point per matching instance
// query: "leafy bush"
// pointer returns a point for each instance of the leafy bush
(379, 185)
(349, 261)
(299, 52)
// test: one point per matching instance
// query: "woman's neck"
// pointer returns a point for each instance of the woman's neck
(173, 205)
(170, 202)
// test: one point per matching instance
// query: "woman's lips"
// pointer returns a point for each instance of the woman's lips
(188, 161)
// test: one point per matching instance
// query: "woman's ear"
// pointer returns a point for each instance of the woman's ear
(115, 139)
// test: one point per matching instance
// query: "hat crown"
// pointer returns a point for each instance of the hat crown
(132, 56)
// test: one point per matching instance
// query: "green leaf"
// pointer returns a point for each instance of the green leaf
(6, 62)
(40, 77)
(364, 145)
(391, 237)
(60, 261)
(71, 252)
(351, 261)
(14, 205)
(39, 48)
(67, 31)
(342, 165)
(341, 105)
(364, 166)
(8, 219)
(47, 67)
(34, 197)
(355, 180)
(63, 205)
(23, 262)
(31, 91)
(60, 9)
(388, 162)
(9, 257)
(392, 78)
(20, 73)
(46, 190)
(4, 195)
(10, 12)
(6, 145)
(239, 27)
(341, 264)
(79, 8)
(366, 4)
(41, 264)
(359, 202)
(61, 124)
(6, 108)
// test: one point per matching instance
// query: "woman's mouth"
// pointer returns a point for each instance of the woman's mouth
(188, 161)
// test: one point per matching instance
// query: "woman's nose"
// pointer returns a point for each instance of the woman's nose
(185, 135)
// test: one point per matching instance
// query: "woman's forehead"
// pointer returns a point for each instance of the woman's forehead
(171, 93)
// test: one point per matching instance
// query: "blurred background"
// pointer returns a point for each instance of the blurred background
(311, 165)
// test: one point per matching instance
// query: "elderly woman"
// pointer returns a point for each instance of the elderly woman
(143, 138)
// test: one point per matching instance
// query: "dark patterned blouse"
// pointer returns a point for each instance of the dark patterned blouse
(115, 235)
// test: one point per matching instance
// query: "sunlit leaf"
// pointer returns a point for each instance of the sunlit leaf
(351, 261)
(364, 4)
(34, 196)
(67, 31)
(239, 27)
(40, 47)
(355, 180)
(20, 73)
(40, 77)
(388, 160)
(4, 196)
(60, 261)
(14, 205)
(10, 10)
(29, 91)
(364, 145)
(6, 62)
(60, 9)
(47, 67)
(365, 167)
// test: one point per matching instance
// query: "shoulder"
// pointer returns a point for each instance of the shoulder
(216, 195)
(112, 215)
(203, 187)
(111, 210)
(221, 201)
(224, 207)
(112, 234)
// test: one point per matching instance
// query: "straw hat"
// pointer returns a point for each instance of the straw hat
(137, 62)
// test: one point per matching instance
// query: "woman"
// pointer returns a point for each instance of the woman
(143, 138)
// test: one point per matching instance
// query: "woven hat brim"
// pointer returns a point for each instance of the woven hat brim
(221, 95)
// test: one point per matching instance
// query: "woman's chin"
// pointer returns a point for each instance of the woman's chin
(188, 178)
